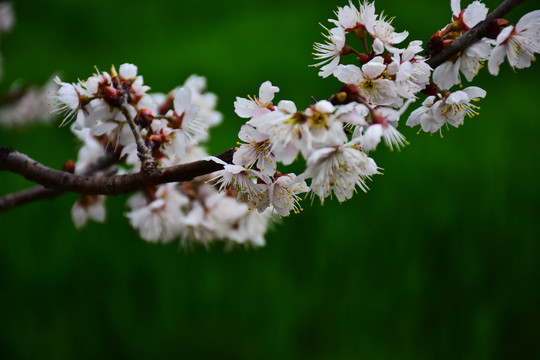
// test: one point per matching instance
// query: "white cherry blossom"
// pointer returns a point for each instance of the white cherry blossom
(329, 52)
(349, 17)
(385, 36)
(375, 88)
(158, 219)
(469, 63)
(256, 106)
(518, 44)
(257, 151)
(205, 100)
(240, 179)
(412, 74)
(188, 129)
(68, 100)
(288, 130)
(282, 194)
(472, 15)
(452, 109)
(338, 170)
(88, 207)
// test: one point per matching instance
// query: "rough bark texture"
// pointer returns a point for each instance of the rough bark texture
(13, 161)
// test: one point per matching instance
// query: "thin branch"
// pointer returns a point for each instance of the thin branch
(11, 160)
(28, 195)
(148, 163)
(475, 34)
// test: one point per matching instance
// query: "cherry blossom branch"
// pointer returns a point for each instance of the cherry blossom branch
(148, 163)
(54, 180)
(475, 34)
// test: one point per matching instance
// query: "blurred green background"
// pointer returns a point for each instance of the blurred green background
(437, 261)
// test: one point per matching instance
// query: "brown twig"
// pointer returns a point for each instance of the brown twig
(149, 165)
(475, 34)
(35, 193)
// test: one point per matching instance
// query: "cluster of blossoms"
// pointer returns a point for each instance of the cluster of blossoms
(518, 44)
(389, 75)
(172, 127)
(335, 136)
(114, 113)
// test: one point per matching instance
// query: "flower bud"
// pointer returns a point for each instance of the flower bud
(144, 118)
(360, 31)
(113, 97)
(346, 50)
(348, 93)
(69, 166)
(435, 45)
(156, 140)
(364, 58)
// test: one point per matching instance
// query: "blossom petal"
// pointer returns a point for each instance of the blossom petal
(446, 75)
(474, 92)
(474, 13)
(267, 92)
(529, 20)
(455, 5)
(496, 58)
(349, 74)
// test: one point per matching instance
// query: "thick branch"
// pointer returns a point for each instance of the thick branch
(32, 170)
(475, 34)
(40, 192)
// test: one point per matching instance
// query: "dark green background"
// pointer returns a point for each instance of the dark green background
(437, 261)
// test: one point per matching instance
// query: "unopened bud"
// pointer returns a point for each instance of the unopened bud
(339, 98)
(113, 71)
(364, 58)
(348, 93)
(69, 166)
(154, 141)
(113, 97)
(346, 50)
(387, 58)
(434, 46)
(360, 31)
(144, 118)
